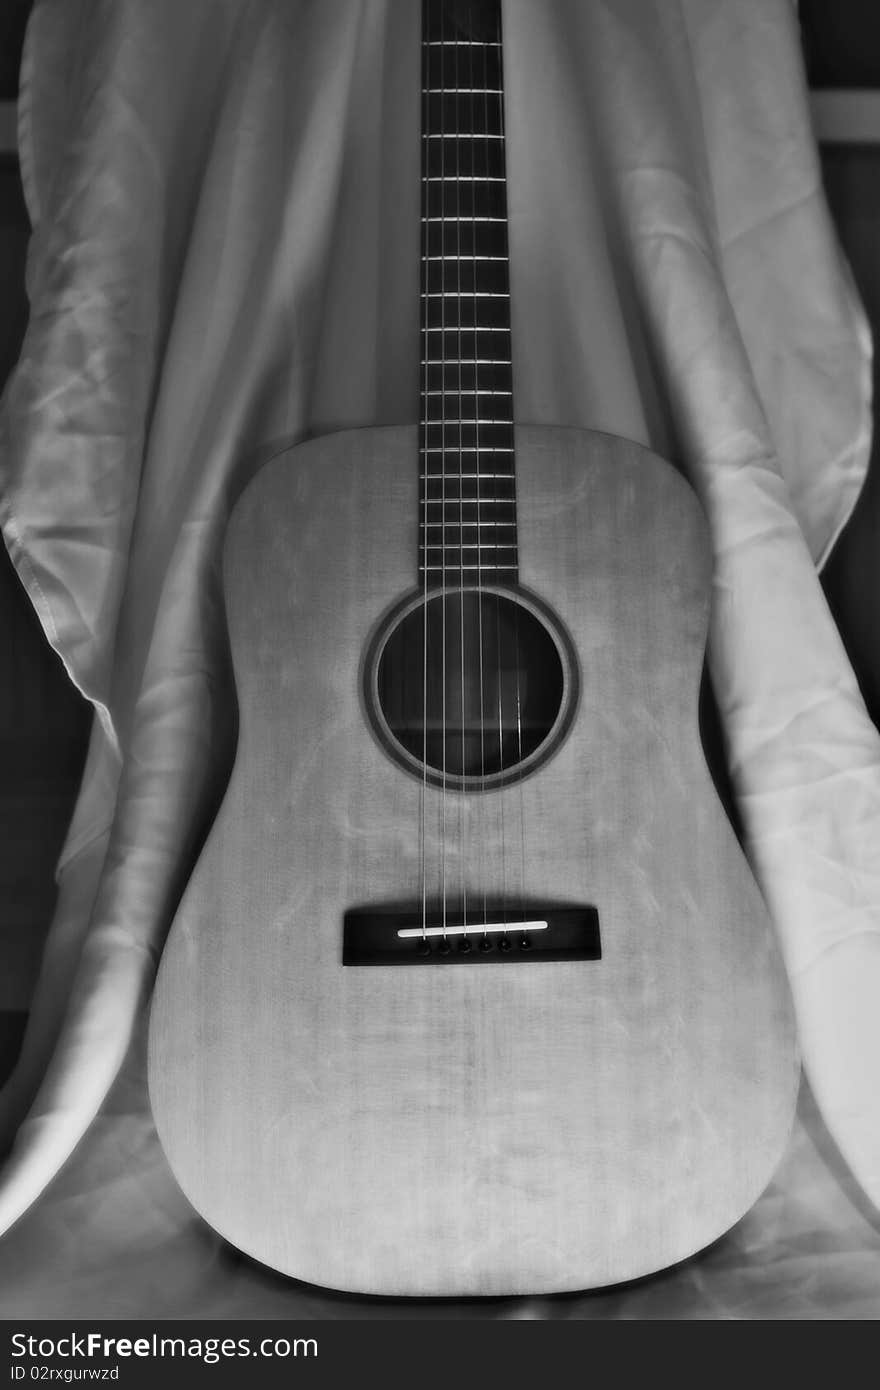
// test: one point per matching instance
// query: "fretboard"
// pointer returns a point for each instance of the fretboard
(467, 527)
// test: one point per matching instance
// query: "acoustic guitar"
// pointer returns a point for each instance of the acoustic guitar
(472, 990)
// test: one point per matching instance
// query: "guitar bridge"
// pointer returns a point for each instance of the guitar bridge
(497, 935)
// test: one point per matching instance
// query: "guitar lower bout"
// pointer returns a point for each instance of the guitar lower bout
(488, 1125)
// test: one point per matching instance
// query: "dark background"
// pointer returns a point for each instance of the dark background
(44, 722)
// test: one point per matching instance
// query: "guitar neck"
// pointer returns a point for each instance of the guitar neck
(467, 516)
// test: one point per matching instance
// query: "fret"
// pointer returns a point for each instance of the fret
(499, 429)
(443, 347)
(451, 454)
(474, 22)
(453, 501)
(478, 503)
(488, 432)
(470, 475)
(452, 524)
(473, 411)
(438, 487)
(466, 281)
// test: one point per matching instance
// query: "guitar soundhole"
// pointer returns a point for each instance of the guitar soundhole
(471, 686)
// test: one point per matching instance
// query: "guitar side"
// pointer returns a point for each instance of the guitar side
(499, 1129)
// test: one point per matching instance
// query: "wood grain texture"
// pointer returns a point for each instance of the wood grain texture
(511, 1128)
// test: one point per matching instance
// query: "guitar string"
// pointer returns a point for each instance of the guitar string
(500, 643)
(516, 627)
(444, 416)
(426, 272)
(445, 597)
(499, 673)
(462, 799)
(479, 468)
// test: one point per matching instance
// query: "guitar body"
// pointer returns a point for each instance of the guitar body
(509, 1127)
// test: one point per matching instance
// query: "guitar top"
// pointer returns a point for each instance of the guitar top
(467, 659)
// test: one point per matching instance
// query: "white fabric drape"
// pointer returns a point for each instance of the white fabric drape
(224, 260)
